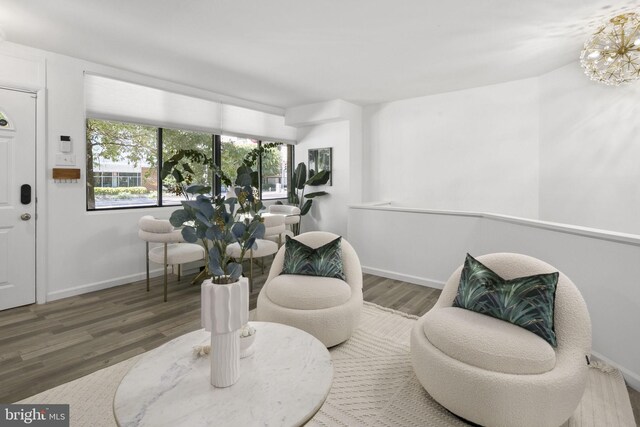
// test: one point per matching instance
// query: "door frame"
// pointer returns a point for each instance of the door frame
(42, 219)
(41, 170)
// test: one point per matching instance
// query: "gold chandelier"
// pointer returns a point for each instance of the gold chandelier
(612, 54)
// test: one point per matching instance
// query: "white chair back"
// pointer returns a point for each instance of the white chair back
(158, 230)
(284, 209)
(274, 225)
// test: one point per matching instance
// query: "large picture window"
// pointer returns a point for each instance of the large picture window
(124, 159)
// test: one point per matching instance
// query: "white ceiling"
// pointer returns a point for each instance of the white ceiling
(292, 52)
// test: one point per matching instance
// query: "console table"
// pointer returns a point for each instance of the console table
(283, 383)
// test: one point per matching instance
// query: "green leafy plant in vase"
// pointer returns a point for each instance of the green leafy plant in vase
(218, 222)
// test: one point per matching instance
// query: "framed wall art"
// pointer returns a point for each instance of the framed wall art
(320, 160)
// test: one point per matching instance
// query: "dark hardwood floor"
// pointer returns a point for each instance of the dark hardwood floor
(42, 346)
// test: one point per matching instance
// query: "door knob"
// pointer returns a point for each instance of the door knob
(25, 217)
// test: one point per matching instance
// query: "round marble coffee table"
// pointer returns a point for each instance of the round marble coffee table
(283, 383)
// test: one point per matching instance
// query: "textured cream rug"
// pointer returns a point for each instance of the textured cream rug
(373, 385)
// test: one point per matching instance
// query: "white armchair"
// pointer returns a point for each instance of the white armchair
(494, 373)
(327, 308)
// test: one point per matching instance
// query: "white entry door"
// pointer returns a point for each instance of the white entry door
(17, 198)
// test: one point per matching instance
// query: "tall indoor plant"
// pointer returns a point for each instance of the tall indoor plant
(299, 182)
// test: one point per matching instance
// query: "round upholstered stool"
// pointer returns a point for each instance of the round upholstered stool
(494, 373)
(262, 248)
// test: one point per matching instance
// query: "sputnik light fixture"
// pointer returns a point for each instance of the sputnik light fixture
(612, 54)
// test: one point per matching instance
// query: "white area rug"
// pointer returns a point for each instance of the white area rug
(373, 385)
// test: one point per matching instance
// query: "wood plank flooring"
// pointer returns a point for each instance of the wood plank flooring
(42, 346)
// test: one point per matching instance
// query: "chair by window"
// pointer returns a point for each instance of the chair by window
(173, 249)
(275, 228)
(291, 215)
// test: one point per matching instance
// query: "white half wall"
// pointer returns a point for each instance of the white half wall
(425, 247)
(475, 149)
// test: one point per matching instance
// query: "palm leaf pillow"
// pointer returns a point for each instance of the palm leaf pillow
(525, 301)
(325, 261)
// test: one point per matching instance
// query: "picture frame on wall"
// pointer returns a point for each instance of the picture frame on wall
(320, 159)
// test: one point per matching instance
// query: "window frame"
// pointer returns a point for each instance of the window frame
(216, 152)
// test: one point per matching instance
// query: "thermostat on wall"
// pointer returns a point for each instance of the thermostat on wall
(65, 144)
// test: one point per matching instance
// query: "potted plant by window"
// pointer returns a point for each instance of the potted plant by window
(218, 222)
(297, 196)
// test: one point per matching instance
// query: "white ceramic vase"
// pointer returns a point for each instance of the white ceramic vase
(225, 308)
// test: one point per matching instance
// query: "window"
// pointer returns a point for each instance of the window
(174, 140)
(102, 179)
(129, 179)
(232, 152)
(123, 163)
(274, 172)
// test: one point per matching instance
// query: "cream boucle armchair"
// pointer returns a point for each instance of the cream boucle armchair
(494, 373)
(327, 308)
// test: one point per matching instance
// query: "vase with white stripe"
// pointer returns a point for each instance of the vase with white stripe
(225, 309)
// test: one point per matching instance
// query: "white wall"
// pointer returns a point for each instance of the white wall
(336, 124)
(328, 213)
(558, 147)
(589, 151)
(475, 149)
(84, 251)
(425, 247)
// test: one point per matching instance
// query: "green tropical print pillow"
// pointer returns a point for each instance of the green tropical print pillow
(525, 301)
(325, 261)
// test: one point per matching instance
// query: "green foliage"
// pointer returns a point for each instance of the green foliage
(112, 191)
(117, 141)
(181, 168)
(174, 140)
(235, 155)
(299, 182)
(214, 223)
